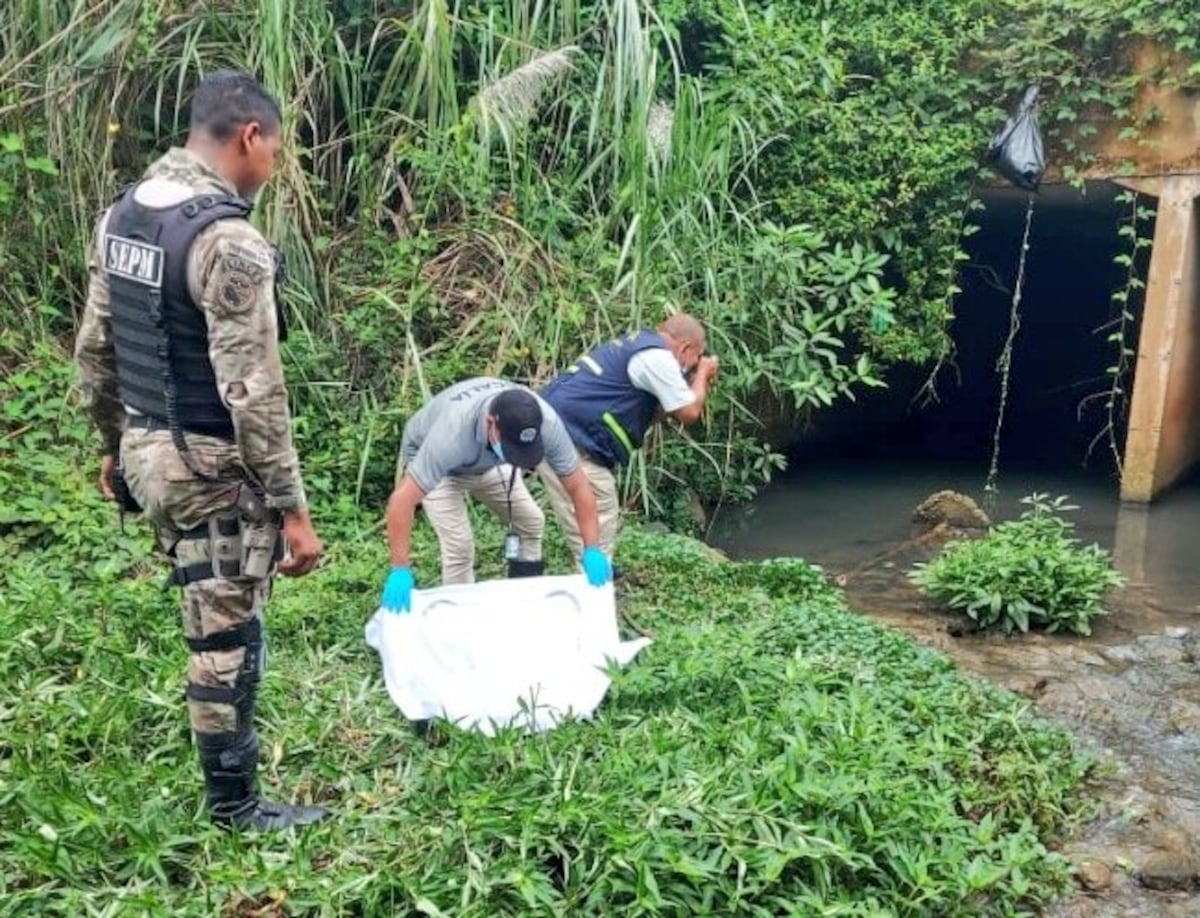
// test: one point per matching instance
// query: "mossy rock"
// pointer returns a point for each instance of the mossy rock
(951, 510)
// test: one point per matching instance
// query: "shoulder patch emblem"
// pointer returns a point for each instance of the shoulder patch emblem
(240, 270)
(236, 290)
(236, 264)
(262, 256)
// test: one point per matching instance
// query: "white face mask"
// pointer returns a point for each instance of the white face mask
(688, 374)
(498, 451)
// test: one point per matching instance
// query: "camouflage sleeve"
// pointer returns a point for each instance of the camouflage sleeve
(95, 354)
(235, 272)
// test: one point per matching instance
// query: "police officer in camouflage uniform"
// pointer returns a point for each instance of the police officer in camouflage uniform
(181, 371)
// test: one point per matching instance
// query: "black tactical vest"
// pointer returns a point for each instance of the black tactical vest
(159, 333)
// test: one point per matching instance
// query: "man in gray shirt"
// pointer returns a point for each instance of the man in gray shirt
(472, 439)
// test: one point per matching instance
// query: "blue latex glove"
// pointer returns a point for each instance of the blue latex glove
(397, 590)
(596, 566)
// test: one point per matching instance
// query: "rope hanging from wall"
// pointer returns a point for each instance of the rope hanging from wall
(1004, 362)
(1017, 152)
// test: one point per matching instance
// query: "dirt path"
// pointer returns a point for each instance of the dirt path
(1131, 693)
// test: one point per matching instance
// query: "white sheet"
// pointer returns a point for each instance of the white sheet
(523, 652)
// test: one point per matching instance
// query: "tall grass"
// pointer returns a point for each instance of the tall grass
(106, 81)
(481, 187)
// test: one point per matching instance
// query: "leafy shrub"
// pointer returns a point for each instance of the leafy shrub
(1025, 573)
(799, 175)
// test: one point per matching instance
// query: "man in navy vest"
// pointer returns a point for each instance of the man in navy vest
(609, 398)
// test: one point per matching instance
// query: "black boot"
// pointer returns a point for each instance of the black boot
(230, 764)
(526, 568)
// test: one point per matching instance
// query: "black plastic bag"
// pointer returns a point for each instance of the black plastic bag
(1016, 150)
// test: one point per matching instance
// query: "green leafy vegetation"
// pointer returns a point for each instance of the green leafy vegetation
(492, 187)
(1025, 573)
(769, 753)
(1119, 331)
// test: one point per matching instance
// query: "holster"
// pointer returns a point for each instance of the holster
(245, 543)
(126, 502)
(261, 535)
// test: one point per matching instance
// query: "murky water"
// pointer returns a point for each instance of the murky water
(1131, 691)
(843, 515)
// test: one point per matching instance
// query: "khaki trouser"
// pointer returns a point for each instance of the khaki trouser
(446, 509)
(608, 506)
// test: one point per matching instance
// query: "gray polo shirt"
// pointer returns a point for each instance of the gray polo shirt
(448, 436)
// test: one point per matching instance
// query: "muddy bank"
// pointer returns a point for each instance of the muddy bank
(1131, 692)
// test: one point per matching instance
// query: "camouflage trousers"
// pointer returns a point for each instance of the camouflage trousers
(222, 616)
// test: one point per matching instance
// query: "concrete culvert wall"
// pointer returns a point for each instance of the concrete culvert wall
(1164, 430)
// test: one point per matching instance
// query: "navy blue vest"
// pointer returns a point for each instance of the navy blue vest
(606, 415)
(159, 333)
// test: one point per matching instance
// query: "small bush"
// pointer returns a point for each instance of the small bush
(1025, 573)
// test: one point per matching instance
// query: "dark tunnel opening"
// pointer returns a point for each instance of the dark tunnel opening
(1060, 355)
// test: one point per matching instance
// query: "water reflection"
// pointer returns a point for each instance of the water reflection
(845, 514)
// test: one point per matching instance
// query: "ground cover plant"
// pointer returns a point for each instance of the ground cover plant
(1025, 573)
(491, 187)
(770, 753)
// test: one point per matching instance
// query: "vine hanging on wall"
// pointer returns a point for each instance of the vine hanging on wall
(1004, 362)
(1119, 329)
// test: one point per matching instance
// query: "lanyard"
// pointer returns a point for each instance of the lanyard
(512, 479)
(512, 545)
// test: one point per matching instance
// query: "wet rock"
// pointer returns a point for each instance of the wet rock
(1094, 876)
(1122, 653)
(1169, 870)
(1030, 686)
(1171, 840)
(1184, 717)
(1086, 690)
(1087, 658)
(1173, 866)
(951, 509)
(1082, 907)
(1191, 646)
(1155, 648)
(963, 628)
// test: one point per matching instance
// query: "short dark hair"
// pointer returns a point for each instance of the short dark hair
(228, 99)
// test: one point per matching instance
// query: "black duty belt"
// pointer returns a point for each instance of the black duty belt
(149, 422)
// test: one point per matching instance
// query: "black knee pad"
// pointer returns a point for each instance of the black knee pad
(243, 694)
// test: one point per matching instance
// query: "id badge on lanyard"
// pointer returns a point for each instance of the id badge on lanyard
(512, 541)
